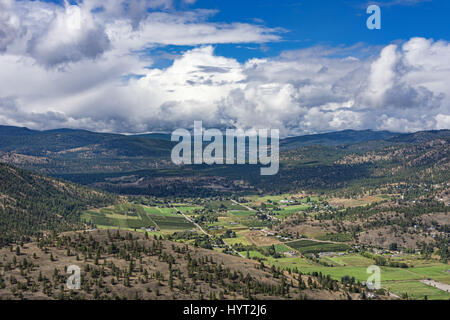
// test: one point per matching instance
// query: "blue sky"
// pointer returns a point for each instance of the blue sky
(305, 23)
(302, 66)
(331, 22)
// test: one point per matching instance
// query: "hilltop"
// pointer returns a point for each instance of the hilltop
(329, 139)
(127, 265)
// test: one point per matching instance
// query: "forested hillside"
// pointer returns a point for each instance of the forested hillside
(31, 204)
(67, 150)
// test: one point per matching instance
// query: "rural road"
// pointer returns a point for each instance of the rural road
(195, 223)
(439, 285)
(394, 295)
(206, 233)
(251, 209)
(229, 247)
(242, 205)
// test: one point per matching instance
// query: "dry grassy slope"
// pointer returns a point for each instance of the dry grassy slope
(153, 289)
(430, 153)
(21, 159)
(391, 232)
(380, 229)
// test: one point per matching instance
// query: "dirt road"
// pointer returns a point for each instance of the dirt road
(438, 285)
(206, 233)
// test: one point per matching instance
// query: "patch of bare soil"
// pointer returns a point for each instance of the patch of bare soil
(260, 238)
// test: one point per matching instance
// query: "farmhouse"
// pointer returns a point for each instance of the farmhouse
(290, 254)
(150, 229)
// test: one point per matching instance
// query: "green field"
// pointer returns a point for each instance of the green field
(188, 210)
(397, 280)
(350, 260)
(280, 248)
(240, 239)
(287, 211)
(253, 254)
(278, 198)
(224, 205)
(310, 246)
(241, 213)
(416, 290)
(133, 217)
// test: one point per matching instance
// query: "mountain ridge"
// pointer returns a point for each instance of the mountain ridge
(333, 138)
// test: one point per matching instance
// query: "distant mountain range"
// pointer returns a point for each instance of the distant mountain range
(141, 165)
(99, 158)
(34, 142)
(336, 138)
(156, 136)
(70, 141)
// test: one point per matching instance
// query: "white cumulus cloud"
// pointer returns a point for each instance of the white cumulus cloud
(85, 66)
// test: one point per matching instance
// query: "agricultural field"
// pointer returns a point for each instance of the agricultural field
(311, 246)
(224, 205)
(241, 213)
(248, 228)
(188, 210)
(417, 290)
(350, 260)
(396, 280)
(240, 239)
(286, 211)
(280, 248)
(138, 217)
(278, 199)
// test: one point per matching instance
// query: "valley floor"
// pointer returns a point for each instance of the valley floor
(283, 231)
